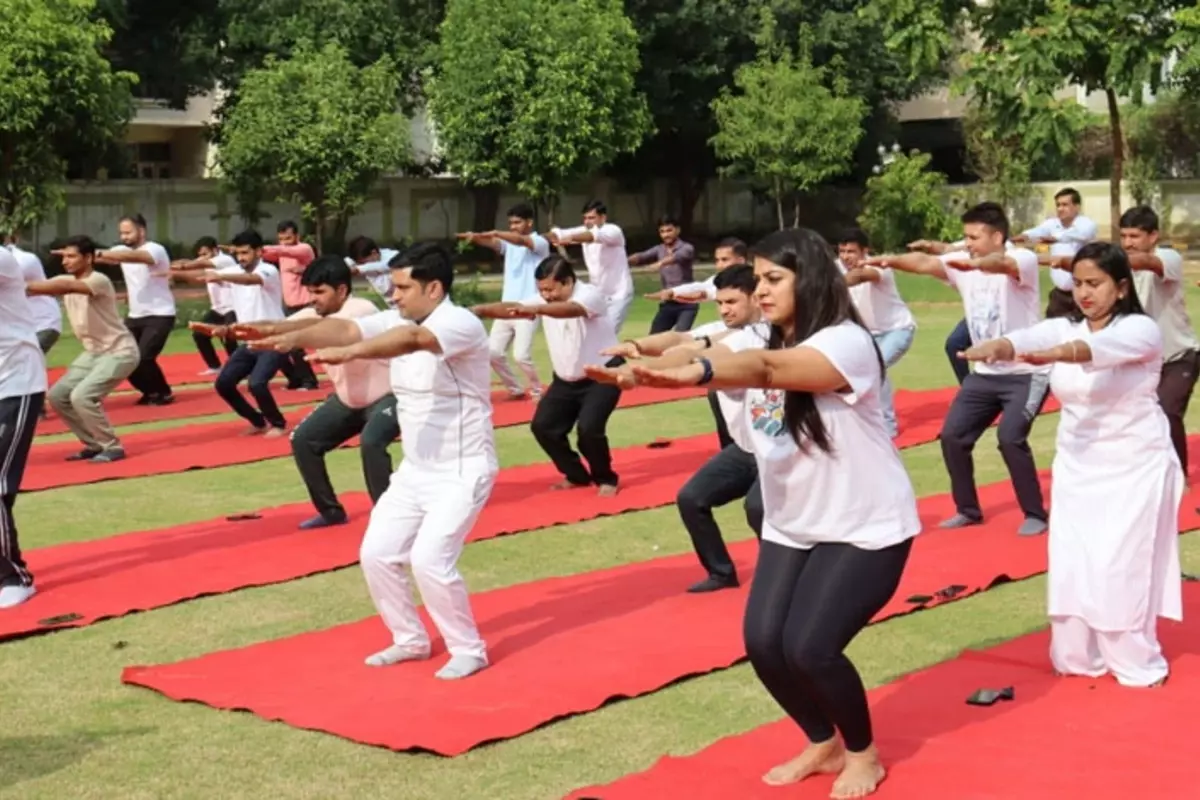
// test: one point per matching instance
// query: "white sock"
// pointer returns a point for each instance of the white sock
(461, 667)
(395, 655)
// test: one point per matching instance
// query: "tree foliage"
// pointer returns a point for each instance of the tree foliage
(541, 96)
(57, 95)
(314, 128)
(906, 201)
(787, 125)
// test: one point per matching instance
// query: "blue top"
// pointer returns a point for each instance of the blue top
(519, 265)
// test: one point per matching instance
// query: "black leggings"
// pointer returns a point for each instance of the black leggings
(805, 608)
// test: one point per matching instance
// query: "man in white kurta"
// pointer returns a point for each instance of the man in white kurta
(441, 375)
(1114, 531)
(604, 254)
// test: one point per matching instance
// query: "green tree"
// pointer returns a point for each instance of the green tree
(787, 125)
(1030, 50)
(906, 201)
(315, 129)
(57, 96)
(535, 93)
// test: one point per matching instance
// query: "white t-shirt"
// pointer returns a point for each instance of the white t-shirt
(149, 286)
(879, 302)
(443, 401)
(995, 304)
(606, 259)
(1069, 240)
(47, 316)
(858, 494)
(258, 302)
(378, 273)
(752, 337)
(576, 342)
(1165, 300)
(218, 293)
(22, 365)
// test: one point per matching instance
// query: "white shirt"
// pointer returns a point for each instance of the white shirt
(218, 293)
(1068, 241)
(378, 273)
(879, 302)
(443, 401)
(1165, 300)
(22, 365)
(860, 493)
(576, 342)
(47, 316)
(752, 337)
(706, 287)
(258, 302)
(606, 259)
(148, 286)
(996, 304)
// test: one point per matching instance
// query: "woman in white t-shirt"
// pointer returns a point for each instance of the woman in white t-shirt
(1114, 524)
(834, 545)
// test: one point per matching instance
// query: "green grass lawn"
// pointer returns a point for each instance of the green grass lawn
(72, 730)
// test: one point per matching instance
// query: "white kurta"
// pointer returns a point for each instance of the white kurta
(1117, 483)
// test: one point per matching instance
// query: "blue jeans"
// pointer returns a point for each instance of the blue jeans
(892, 345)
(958, 340)
(260, 367)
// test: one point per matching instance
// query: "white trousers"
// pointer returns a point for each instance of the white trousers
(1133, 657)
(422, 521)
(618, 309)
(519, 334)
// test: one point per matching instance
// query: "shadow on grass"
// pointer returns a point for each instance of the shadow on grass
(26, 758)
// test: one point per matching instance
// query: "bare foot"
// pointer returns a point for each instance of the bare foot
(860, 777)
(275, 433)
(254, 432)
(607, 491)
(817, 759)
(562, 486)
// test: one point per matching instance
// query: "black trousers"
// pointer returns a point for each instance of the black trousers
(204, 343)
(586, 406)
(672, 315)
(299, 373)
(727, 476)
(330, 426)
(18, 420)
(260, 367)
(723, 437)
(1016, 400)
(151, 334)
(958, 340)
(805, 608)
(1174, 394)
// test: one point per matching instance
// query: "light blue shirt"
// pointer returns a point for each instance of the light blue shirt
(520, 263)
(379, 274)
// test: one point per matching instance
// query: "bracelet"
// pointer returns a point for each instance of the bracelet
(707, 375)
(636, 349)
(707, 341)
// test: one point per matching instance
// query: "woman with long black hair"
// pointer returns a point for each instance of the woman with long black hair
(1117, 482)
(840, 512)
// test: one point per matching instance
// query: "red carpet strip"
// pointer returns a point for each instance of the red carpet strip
(221, 444)
(109, 577)
(198, 401)
(1057, 737)
(558, 647)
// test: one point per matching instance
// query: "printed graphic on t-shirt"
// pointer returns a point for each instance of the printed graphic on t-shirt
(766, 412)
(984, 322)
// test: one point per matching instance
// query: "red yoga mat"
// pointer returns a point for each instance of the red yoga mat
(1057, 737)
(191, 402)
(558, 647)
(221, 444)
(90, 581)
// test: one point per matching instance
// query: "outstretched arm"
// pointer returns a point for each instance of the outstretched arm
(125, 256)
(329, 332)
(916, 263)
(57, 288)
(393, 343)
(863, 275)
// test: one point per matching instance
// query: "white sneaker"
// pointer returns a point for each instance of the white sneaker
(12, 596)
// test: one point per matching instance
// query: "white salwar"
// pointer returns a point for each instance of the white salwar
(1114, 502)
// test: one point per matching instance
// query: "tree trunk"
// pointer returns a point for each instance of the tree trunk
(796, 211)
(779, 203)
(486, 200)
(1118, 165)
(690, 189)
(319, 228)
